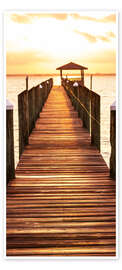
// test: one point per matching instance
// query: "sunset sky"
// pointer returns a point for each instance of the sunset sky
(39, 43)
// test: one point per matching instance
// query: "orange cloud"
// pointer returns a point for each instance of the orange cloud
(107, 19)
(111, 35)
(92, 38)
(28, 18)
(89, 37)
(103, 38)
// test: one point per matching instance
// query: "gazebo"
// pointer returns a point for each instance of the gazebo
(72, 66)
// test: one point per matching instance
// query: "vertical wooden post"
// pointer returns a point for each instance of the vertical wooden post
(10, 166)
(30, 104)
(113, 141)
(31, 108)
(27, 102)
(23, 116)
(37, 102)
(82, 77)
(95, 119)
(84, 96)
(91, 82)
(77, 103)
(81, 100)
(61, 75)
(27, 83)
(90, 102)
(74, 90)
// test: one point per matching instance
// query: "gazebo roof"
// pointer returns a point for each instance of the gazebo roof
(71, 66)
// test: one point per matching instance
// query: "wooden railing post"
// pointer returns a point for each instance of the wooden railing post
(10, 166)
(26, 82)
(95, 119)
(47, 87)
(23, 116)
(36, 99)
(87, 103)
(113, 140)
(76, 92)
(91, 82)
(80, 100)
(86, 111)
(41, 96)
(77, 105)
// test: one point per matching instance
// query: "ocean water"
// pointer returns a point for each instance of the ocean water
(105, 86)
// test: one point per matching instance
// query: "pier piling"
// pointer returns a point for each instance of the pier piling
(113, 140)
(10, 167)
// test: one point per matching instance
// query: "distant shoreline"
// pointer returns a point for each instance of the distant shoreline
(50, 75)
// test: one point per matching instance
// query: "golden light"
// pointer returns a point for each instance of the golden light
(41, 42)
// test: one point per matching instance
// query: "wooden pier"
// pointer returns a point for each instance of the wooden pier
(62, 200)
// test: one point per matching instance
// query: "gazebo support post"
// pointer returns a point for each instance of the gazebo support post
(82, 77)
(72, 66)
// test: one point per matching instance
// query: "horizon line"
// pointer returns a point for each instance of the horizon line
(55, 74)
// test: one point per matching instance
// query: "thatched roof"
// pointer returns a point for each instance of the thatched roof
(71, 66)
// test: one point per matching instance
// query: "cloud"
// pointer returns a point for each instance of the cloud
(93, 39)
(103, 38)
(87, 36)
(29, 18)
(25, 57)
(107, 19)
(111, 34)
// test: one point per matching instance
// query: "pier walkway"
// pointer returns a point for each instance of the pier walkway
(62, 201)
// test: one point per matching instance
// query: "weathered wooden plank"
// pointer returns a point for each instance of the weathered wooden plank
(64, 251)
(22, 242)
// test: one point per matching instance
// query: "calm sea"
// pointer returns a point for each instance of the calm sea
(105, 86)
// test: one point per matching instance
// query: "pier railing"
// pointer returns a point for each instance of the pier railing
(95, 118)
(87, 103)
(113, 140)
(10, 169)
(30, 103)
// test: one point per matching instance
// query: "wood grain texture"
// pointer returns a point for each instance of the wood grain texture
(62, 201)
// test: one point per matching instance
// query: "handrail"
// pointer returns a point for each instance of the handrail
(87, 103)
(30, 103)
(83, 106)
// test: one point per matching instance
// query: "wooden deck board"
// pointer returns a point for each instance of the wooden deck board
(62, 201)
